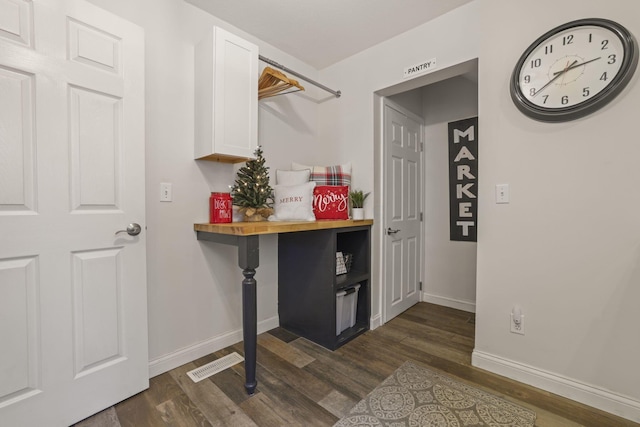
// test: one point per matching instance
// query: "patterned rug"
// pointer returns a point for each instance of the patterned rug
(414, 396)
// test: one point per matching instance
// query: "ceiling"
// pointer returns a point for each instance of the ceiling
(323, 32)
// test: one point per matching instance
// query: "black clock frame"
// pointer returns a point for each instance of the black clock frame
(618, 83)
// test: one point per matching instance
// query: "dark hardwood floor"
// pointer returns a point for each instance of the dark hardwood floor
(303, 384)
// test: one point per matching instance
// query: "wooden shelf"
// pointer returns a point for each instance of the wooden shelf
(351, 278)
(276, 227)
(223, 158)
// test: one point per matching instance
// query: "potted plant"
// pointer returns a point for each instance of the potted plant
(357, 198)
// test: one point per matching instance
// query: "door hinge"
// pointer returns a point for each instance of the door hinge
(420, 283)
(421, 217)
(422, 146)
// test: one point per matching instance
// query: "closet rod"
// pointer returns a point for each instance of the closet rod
(290, 71)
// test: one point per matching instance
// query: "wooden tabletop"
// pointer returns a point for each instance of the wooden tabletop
(274, 227)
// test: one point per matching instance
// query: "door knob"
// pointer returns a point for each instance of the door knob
(133, 229)
(390, 231)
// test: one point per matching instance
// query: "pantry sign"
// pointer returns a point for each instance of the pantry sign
(463, 180)
(420, 68)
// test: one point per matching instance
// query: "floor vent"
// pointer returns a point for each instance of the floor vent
(219, 365)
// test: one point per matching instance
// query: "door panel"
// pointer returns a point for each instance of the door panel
(93, 47)
(17, 162)
(397, 195)
(95, 125)
(96, 300)
(15, 21)
(403, 189)
(19, 327)
(413, 198)
(413, 266)
(397, 271)
(73, 316)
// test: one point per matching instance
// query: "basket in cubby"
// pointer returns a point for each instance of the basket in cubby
(343, 262)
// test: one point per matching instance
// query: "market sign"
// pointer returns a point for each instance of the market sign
(463, 180)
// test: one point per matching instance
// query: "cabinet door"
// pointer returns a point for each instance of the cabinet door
(226, 78)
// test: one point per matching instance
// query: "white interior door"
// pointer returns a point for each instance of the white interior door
(73, 318)
(402, 210)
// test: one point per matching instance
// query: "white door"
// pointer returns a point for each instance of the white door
(402, 209)
(73, 319)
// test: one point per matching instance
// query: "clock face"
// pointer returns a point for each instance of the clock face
(573, 70)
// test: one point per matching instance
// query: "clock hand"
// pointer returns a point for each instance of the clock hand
(565, 74)
(576, 65)
(560, 73)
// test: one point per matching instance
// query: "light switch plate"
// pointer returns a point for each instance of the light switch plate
(502, 193)
(166, 193)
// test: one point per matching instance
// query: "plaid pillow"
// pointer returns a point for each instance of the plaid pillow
(328, 175)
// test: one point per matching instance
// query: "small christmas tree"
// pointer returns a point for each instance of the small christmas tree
(252, 191)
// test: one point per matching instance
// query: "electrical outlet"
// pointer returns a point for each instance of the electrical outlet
(517, 323)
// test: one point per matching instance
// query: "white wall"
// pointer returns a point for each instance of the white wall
(567, 247)
(410, 100)
(450, 267)
(348, 127)
(194, 287)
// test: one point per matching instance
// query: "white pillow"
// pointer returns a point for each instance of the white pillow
(292, 177)
(293, 202)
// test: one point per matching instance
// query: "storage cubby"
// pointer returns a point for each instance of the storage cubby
(307, 282)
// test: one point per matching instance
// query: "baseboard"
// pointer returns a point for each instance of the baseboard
(469, 306)
(375, 322)
(188, 354)
(584, 393)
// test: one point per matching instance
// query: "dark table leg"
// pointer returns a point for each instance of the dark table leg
(248, 260)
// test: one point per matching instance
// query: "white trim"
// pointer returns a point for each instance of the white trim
(459, 304)
(377, 238)
(596, 397)
(188, 354)
(375, 321)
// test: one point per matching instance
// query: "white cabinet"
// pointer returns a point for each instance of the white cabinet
(226, 98)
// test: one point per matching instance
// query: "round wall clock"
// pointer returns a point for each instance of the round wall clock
(574, 69)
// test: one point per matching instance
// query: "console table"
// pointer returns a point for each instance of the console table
(245, 235)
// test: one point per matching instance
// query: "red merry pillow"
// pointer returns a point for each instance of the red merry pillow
(331, 202)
